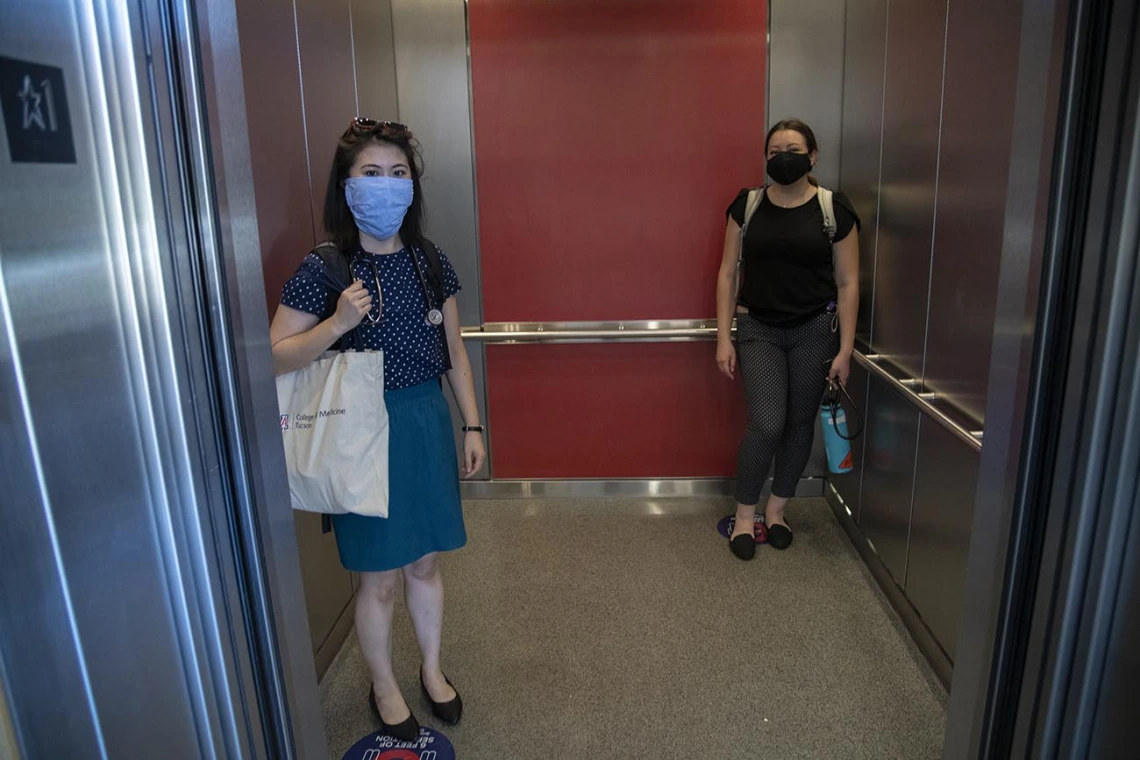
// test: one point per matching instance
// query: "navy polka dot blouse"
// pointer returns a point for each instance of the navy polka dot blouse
(413, 349)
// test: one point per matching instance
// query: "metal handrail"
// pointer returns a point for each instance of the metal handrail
(923, 400)
(506, 333)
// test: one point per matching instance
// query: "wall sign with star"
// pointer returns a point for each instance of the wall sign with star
(36, 117)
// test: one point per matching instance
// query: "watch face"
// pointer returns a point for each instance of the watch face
(435, 317)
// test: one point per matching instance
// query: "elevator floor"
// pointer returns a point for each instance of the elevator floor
(624, 628)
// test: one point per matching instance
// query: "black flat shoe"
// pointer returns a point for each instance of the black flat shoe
(779, 537)
(448, 712)
(406, 731)
(743, 546)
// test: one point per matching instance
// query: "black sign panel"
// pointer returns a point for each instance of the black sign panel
(35, 113)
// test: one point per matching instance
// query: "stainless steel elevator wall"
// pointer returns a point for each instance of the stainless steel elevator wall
(865, 50)
(307, 72)
(927, 106)
(805, 81)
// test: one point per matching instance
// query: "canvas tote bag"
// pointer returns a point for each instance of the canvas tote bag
(334, 425)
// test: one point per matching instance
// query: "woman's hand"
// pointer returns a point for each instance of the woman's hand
(474, 453)
(840, 369)
(352, 306)
(726, 358)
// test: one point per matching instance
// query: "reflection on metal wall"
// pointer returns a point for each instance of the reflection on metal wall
(805, 79)
(971, 199)
(435, 101)
(888, 475)
(139, 554)
(944, 482)
(915, 114)
(865, 50)
(916, 34)
(308, 72)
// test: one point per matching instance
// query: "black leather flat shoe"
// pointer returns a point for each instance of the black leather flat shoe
(779, 537)
(743, 546)
(406, 731)
(449, 712)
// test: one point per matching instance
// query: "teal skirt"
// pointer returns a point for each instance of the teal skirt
(425, 513)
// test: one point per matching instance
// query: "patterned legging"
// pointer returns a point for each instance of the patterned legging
(785, 374)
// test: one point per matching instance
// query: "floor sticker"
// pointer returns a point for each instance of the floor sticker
(759, 530)
(432, 745)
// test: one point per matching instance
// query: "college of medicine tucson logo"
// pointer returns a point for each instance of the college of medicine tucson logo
(304, 421)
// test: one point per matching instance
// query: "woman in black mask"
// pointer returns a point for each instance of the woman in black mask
(795, 299)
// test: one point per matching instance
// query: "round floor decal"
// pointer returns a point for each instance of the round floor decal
(432, 745)
(726, 525)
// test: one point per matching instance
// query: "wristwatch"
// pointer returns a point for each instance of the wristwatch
(472, 428)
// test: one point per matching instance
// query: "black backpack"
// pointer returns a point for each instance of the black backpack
(338, 267)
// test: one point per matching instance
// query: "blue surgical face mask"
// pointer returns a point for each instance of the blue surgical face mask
(379, 203)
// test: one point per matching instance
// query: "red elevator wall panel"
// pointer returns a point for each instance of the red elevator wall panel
(610, 135)
(642, 410)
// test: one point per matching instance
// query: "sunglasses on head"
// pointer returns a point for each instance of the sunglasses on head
(360, 126)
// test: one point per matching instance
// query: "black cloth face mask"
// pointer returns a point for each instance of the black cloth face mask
(788, 168)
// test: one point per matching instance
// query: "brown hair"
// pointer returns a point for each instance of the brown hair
(795, 125)
(338, 220)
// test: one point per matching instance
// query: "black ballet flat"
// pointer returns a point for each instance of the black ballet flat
(743, 546)
(406, 731)
(779, 537)
(449, 712)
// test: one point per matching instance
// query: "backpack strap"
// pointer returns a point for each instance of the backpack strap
(827, 205)
(338, 276)
(751, 203)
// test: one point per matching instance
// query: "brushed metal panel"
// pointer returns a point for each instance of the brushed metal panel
(267, 521)
(374, 52)
(946, 477)
(849, 485)
(913, 96)
(864, 61)
(888, 475)
(805, 78)
(923, 638)
(1027, 268)
(972, 187)
(328, 586)
(435, 102)
(278, 152)
(91, 539)
(433, 84)
(328, 82)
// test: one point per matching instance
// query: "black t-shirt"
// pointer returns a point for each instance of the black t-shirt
(788, 271)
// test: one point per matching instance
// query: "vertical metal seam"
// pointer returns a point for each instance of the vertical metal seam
(929, 285)
(937, 176)
(879, 195)
(842, 102)
(767, 68)
(395, 57)
(304, 120)
(352, 48)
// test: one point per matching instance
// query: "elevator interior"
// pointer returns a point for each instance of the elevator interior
(146, 541)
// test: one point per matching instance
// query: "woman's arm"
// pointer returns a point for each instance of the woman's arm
(298, 337)
(726, 299)
(846, 253)
(462, 384)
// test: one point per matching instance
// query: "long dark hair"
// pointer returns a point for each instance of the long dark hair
(338, 220)
(794, 125)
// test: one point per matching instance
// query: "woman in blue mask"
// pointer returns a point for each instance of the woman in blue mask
(795, 301)
(401, 286)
